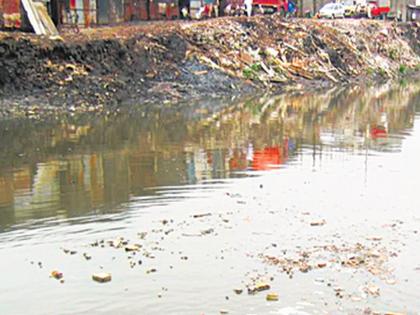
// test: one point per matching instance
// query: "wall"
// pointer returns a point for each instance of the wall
(135, 10)
(82, 11)
(110, 11)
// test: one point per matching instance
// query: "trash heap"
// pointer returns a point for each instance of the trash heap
(175, 60)
(268, 49)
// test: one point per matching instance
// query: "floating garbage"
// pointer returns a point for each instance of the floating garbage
(258, 287)
(272, 297)
(101, 277)
(56, 274)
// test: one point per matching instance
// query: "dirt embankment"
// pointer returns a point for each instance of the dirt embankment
(169, 61)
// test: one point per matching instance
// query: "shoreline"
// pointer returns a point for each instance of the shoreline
(110, 68)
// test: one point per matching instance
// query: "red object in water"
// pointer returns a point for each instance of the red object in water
(238, 161)
(378, 132)
(266, 158)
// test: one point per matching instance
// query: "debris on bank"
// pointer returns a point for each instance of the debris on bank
(170, 61)
(271, 50)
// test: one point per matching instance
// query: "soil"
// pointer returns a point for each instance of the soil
(165, 62)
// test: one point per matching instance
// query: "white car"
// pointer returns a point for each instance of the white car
(332, 11)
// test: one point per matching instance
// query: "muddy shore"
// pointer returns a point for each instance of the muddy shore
(103, 69)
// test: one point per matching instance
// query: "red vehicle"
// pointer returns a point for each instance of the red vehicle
(277, 5)
(379, 8)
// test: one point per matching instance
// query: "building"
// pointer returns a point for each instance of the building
(87, 13)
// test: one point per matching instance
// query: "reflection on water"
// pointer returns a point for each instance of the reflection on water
(73, 167)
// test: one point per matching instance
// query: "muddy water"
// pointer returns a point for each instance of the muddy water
(213, 197)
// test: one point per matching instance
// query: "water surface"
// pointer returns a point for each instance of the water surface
(262, 169)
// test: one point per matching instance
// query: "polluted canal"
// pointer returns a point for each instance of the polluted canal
(290, 204)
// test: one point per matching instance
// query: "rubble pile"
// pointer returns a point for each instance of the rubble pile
(169, 61)
(270, 50)
(412, 33)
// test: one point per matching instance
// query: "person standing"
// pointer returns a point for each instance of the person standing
(248, 7)
(216, 8)
(184, 7)
(209, 7)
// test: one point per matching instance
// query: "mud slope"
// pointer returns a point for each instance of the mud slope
(176, 60)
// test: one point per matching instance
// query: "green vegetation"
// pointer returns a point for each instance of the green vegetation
(403, 69)
(382, 72)
(394, 54)
(250, 73)
(370, 71)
